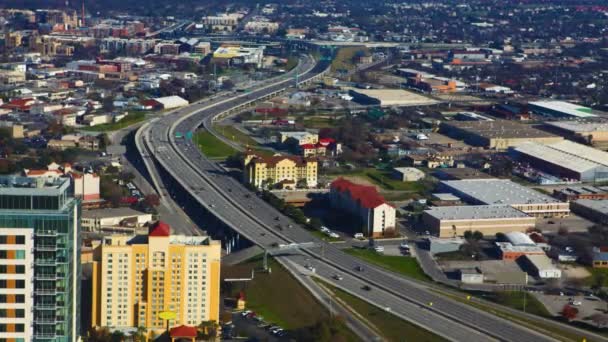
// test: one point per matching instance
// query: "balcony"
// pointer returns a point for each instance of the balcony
(46, 262)
(46, 233)
(46, 248)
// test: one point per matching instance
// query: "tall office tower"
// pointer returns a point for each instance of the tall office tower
(39, 260)
(137, 277)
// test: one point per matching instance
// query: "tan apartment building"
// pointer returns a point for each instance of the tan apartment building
(136, 277)
(283, 171)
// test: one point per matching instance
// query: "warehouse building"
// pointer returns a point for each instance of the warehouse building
(170, 102)
(451, 221)
(560, 109)
(573, 193)
(541, 266)
(505, 192)
(519, 244)
(389, 97)
(590, 133)
(407, 174)
(596, 211)
(499, 134)
(565, 159)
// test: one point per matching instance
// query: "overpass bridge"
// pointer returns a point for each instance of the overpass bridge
(229, 201)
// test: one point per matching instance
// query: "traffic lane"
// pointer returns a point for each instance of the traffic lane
(437, 299)
(354, 286)
(413, 313)
(226, 208)
(471, 316)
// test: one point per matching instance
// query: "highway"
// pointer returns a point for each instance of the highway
(232, 203)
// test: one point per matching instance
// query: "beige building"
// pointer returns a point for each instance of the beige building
(376, 215)
(590, 133)
(113, 219)
(135, 278)
(498, 134)
(453, 221)
(302, 138)
(284, 171)
(492, 191)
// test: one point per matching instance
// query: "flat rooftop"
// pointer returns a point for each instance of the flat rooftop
(584, 190)
(565, 108)
(395, 97)
(500, 129)
(567, 154)
(29, 186)
(601, 206)
(445, 197)
(497, 191)
(476, 212)
(579, 127)
(111, 212)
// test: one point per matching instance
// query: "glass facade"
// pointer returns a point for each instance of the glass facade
(55, 220)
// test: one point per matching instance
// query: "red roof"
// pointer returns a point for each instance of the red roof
(308, 146)
(367, 196)
(183, 331)
(149, 103)
(326, 141)
(160, 228)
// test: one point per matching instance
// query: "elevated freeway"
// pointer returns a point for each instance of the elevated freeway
(241, 210)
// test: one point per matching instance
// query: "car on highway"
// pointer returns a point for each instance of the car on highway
(359, 268)
(338, 277)
(366, 288)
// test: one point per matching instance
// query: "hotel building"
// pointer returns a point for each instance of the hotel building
(136, 277)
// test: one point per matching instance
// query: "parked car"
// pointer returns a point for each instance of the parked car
(359, 236)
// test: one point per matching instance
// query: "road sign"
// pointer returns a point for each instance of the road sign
(167, 315)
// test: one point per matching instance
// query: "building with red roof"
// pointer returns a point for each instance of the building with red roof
(377, 215)
(159, 229)
(183, 332)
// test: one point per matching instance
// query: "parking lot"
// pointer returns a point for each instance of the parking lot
(587, 305)
(248, 324)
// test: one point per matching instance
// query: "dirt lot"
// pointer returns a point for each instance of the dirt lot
(573, 223)
(576, 272)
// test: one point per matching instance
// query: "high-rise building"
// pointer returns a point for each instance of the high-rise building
(136, 277)
(39, 260)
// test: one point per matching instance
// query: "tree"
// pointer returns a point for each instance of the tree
(152, 200)
(468, 235)
(315, 223)
(501, 237)
(569, 312)
(207, 330)
(477, 235)
(104, 140)
(140, 334)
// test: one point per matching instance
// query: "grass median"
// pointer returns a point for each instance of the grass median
(405, 265)
(282, 300)
(213, 147)
(391, 327)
